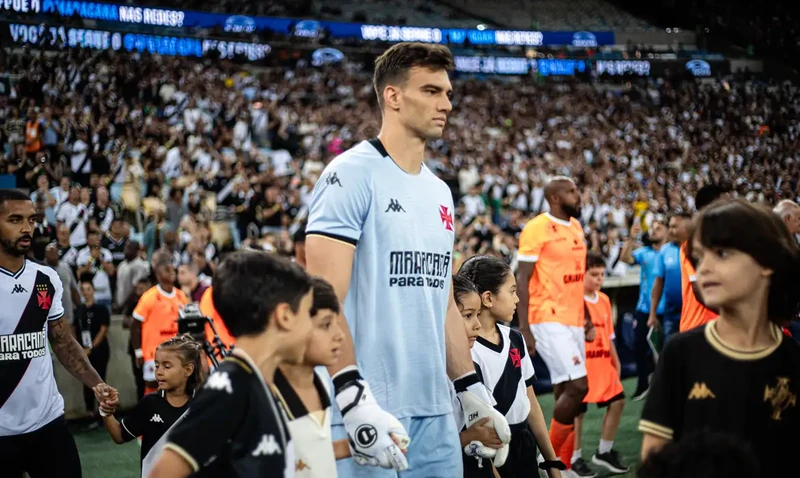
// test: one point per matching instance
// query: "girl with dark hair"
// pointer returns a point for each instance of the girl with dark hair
(736, 374)
(179, 374)
(502, 360)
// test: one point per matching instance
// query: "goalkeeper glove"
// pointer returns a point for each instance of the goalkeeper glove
(476, 403)
(376, 437)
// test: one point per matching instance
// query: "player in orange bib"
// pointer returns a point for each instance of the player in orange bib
(693, 312)
(208, 310)
(603, 368)
(156, 317)
(552, 264)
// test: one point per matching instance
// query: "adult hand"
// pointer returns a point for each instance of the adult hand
(107, 395)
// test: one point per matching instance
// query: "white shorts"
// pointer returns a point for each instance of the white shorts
(149, 371)
(563, 349)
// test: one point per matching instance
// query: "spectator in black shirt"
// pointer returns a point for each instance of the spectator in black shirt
(92, 322)
(234, 427)
(43, 232)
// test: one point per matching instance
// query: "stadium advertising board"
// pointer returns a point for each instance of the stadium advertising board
(163, 17)
(492, 65)
(22, 34)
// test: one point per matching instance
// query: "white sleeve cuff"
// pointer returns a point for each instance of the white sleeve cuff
(692, 278)
(522, 258)
(137, 317)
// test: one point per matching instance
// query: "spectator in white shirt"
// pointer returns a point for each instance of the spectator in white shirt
(75, 216)
(80, 161)
(130, 272)
(71, 295)
(97, 260)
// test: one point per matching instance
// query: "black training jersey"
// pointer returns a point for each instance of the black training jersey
(150, 419)
(234, 427)
(703, 384)
(29, 299)
(507, 371)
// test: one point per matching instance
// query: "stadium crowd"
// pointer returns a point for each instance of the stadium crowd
(221, 157)
(139, 161)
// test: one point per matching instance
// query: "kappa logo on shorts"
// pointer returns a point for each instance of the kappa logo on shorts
(366, 436)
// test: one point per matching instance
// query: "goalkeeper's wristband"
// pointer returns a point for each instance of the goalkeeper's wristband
(462, 383)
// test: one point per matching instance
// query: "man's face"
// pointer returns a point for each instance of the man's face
(679, 229)
(51, 256)
(63, 234)
(185, 275)
(74, 195)
(793, 221)
(658, 232)
(17, 219)
(570, 199)
(93, 239)
(424, 102)
(166, 274)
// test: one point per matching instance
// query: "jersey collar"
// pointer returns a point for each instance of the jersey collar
(14, 275)
(557, 220)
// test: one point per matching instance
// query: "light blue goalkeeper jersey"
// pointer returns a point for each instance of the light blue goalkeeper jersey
(401, 226)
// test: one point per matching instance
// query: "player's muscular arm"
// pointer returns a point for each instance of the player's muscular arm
(524, 274)
(71, 354)
(655, 298)
(332, 260)
(459, 359)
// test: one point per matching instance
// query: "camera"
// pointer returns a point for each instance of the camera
(191, 321)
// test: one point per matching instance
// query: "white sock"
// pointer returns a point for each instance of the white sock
(576, 455)
(605, 446)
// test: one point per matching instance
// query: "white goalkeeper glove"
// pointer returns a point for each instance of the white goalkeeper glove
(376, 437)
(476, 403)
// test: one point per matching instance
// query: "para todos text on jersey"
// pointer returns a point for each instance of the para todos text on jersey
(136, 42)
(419, 269)
(23, 346)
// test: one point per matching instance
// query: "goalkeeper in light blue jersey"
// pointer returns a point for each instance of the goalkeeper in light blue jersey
(381, 231)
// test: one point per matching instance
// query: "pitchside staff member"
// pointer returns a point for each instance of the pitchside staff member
(737, 374)
(33, 434)
(234, 427)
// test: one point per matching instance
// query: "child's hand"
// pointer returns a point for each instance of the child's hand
(480, 432)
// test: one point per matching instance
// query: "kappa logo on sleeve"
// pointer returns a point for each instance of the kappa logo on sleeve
(219, 381)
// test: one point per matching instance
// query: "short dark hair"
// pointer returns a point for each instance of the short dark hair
(708, 194)
(761, 234)
(324, 296)
(12, 195)
(702, 454)
(249, 286)
(86, 278)
(595, 259)
(393, 65)
(462, 287)
(680, 215)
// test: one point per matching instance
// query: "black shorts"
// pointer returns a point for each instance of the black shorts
(615, 398)
(521, 462)
(47, 452)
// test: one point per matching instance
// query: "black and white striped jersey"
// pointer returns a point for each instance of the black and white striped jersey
(29, 298)
(506, 370)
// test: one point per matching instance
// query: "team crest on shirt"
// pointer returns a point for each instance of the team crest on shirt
(516, 357)
(446, 217)
(576, 360)
(42, 297)
(779, 397)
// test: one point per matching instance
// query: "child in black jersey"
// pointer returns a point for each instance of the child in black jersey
(179, 374)
(737, 374)
(501, 358)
